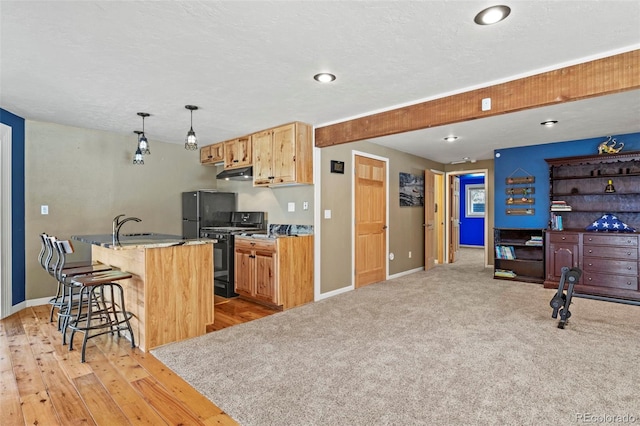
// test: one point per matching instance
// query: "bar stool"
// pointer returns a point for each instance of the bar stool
(70, 300)
(45, 258)
(105, 308)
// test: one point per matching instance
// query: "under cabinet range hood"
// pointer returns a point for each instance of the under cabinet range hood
(242, 173)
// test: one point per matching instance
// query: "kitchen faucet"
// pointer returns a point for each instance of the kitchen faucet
(117, 224)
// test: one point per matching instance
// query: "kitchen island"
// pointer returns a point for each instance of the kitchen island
(171, 291)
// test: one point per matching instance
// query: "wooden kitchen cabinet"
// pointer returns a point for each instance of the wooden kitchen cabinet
(283, 155)
(237, 153)
(255, 270)
(277, 272)
(212, 154)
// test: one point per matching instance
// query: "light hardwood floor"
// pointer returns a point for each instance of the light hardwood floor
(43, 383)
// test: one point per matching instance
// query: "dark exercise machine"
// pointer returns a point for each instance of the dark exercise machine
(561, 301)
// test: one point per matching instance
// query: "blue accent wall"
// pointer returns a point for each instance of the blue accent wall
(471, 228)
(18, 293)
(529, 160)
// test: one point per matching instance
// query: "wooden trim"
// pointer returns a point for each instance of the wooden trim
(614, 74)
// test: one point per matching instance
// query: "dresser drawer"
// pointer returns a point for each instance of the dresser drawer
(611, 240)
(599, 265)
(619, 253)
(563, 237)
(613, 281)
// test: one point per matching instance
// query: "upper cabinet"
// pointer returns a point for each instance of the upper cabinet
(212, 154)
(283, 155)
(237, 153)
(582, 189)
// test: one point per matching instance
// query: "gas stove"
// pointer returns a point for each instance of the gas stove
(241, 223)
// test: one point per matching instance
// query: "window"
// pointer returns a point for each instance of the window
(475, 200)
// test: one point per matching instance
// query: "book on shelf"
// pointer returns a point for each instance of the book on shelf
(504, 273)
(536, 240)
(556, 222)
(505, 252)
(560, 206)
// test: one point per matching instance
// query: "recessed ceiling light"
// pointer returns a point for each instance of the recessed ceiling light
(324, 77)
(450, 138)
(549, 123)
(492, 15)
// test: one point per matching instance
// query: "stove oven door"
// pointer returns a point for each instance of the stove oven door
(223, 266)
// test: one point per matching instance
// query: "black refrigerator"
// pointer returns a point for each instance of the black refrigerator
(205, 208)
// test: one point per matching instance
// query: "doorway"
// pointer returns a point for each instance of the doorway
(452, 222)
(370, 239)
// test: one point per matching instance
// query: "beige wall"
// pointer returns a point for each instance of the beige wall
(274, 201)
(405, 223)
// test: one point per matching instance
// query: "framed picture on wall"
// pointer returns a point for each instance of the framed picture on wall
(475, 200)
(411, 190)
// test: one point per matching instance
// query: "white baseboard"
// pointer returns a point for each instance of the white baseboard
(403, 273)
(38, 302)
(335, 292)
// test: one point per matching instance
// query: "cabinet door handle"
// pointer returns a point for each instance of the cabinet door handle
(564, 238)
(589, 278)
(591, 264)
(629, 268)
(628, 253)
(628, 282)
(590, 251)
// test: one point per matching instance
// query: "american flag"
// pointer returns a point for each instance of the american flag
(610, 222)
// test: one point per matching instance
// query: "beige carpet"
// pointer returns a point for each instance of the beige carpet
(450, 346)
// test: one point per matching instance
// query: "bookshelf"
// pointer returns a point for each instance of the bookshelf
(519, 254)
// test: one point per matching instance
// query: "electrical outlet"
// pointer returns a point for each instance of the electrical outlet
(44, 209)
(327, 214)
(305, 205)
(486, 104)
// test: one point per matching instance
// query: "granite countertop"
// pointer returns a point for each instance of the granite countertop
(140, 240)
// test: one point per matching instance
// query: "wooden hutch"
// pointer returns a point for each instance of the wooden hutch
(609, 260)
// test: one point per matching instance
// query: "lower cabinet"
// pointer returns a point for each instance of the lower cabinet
(562, 250)
(609, 262)
(255, 270)
(277, 272)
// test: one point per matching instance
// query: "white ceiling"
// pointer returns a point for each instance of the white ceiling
(249, 65)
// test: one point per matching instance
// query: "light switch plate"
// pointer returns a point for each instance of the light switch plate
(327, 214)
(44, 209)
(291, 207)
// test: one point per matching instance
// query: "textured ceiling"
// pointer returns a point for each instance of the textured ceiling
(249, 65)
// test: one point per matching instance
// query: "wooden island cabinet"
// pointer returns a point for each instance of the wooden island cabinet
(170, 293)
(275, 271)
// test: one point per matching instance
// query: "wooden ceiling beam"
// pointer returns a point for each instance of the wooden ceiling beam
(599, 77)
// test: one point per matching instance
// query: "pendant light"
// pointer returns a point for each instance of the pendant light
(137, 157)
(191, 141)
(143, 143)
